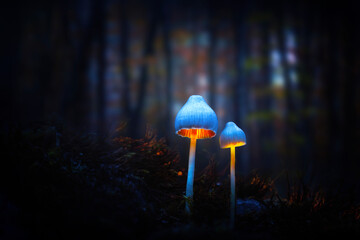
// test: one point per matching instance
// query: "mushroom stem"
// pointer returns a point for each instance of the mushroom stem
(191, 170)
(232, 185)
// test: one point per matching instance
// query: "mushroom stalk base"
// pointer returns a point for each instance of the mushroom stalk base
(191, 170)
(232, 185)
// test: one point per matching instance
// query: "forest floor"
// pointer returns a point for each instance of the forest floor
(59, 185)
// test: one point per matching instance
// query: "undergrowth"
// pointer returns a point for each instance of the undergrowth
(70, 185)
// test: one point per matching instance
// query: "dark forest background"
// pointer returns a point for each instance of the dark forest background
(286, 72)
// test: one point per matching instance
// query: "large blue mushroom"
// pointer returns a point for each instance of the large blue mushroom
(195, 120)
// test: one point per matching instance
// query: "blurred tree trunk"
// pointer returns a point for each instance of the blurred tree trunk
(212, 53)
(194, 30)
(239, 99)
(332, 92)
(169, 73)
(289, 127)
(10, 56)
(101, 59)
(265, 101)
(76, 104)
(143, 81)
(320, 121)
(62, 55)
(306, 54)
(240, 94)
(124, 52)
(46, 69)
(351, 133)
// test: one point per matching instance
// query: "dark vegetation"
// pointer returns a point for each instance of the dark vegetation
(58, 184)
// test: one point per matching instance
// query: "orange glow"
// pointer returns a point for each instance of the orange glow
(234, 144)
(197, 133)
(180, 173)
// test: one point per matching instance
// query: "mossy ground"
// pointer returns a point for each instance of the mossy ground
(57, 184)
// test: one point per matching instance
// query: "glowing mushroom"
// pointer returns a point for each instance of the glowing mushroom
(231, 137)
(195, 120)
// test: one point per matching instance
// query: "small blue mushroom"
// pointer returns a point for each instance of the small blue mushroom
(232, 136)
(195, 120)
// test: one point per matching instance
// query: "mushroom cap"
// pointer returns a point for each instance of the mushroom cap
(232, 136)
(196, 119)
